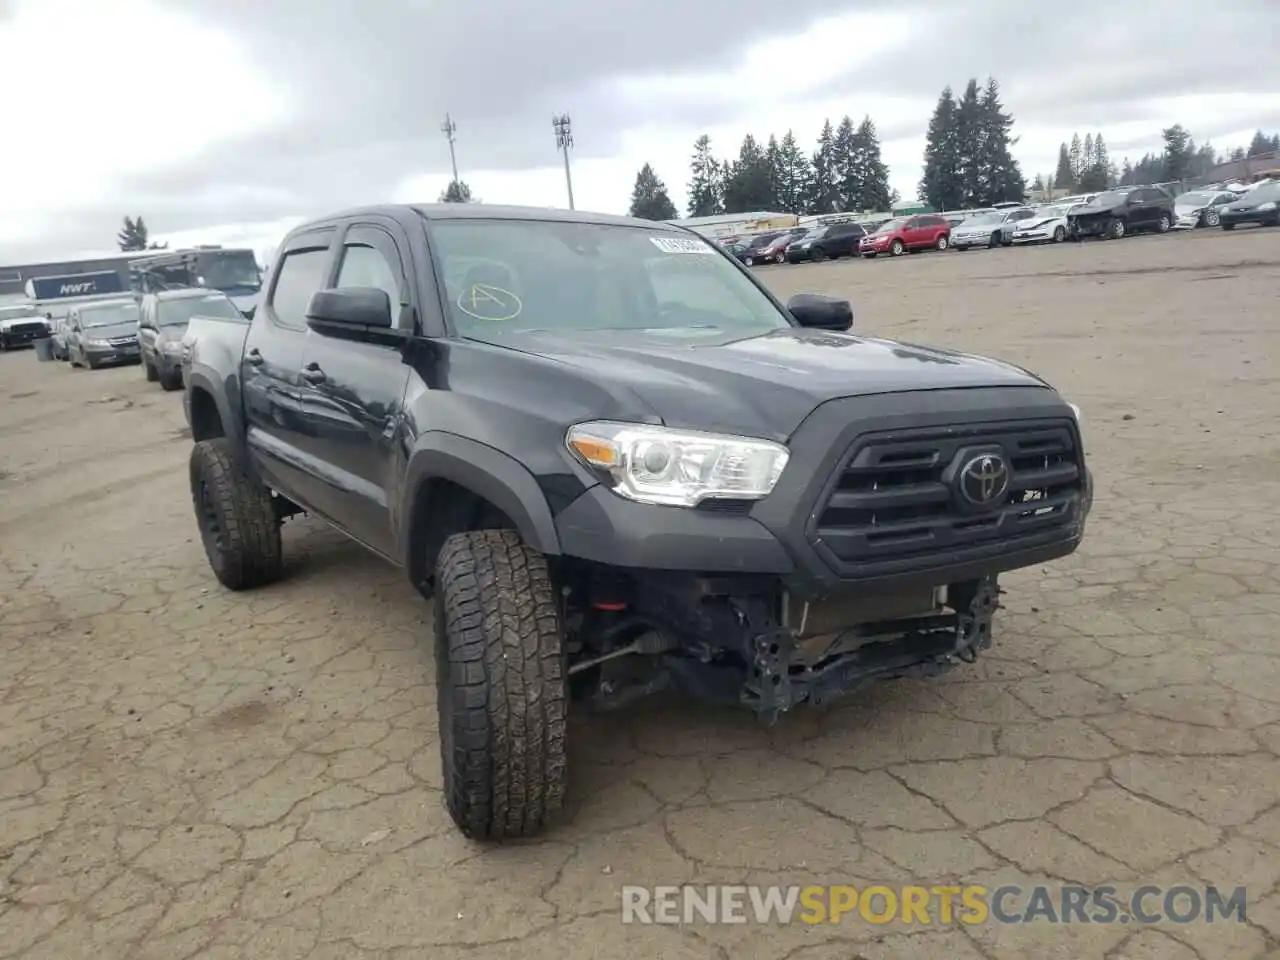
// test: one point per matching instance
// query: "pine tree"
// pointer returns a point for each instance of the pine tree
(1064, 178)
(971, 134)
(1126, 173)
(847, 173)
(649, 199)
(1259, 145)
(456, 192)
(795, 176)
(1037, 184)
(874, 194)
(1076, 157)
(748, 185)
(1177, 152)
(133, 235)
(999, 176)
(823, 195)
(1087, 157)
(940, 185)
(706, 187)
(773, 161)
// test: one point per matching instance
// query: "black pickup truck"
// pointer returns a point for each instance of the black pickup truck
(618, 463)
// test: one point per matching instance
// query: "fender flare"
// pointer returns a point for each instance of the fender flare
(487, 472)
(199, 378)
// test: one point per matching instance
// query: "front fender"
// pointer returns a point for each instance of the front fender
(202, 378)
(485, 471)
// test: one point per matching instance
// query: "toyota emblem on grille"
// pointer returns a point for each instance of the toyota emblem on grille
(984, 480)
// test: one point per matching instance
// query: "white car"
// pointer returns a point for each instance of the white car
(1199, 208)
(993, 229)
(1047, 224)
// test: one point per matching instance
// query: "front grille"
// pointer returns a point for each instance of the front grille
(890, 497)
(31, 329)
(123, 341)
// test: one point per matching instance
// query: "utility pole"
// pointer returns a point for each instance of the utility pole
(564, 140)
(449, 128)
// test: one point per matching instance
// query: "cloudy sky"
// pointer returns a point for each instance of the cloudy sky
(230, 120)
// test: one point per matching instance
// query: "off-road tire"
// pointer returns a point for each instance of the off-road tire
(149, 370)
(501, 691)
(237, 520)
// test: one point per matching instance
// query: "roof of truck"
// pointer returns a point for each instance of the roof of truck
(488, 211)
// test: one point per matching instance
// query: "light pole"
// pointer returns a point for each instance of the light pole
(564, 140)
(449, 128)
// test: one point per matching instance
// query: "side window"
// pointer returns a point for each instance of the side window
(363, 266)
(299, 274)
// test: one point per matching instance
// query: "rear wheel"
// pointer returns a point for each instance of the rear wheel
(501, 692)
(1165, 222)
(943, 242)
(235, 515)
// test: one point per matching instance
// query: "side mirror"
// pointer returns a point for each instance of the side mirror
(819, 312)
(350, 308)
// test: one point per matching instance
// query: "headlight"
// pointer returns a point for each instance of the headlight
(1268, 206)
(96, 343)
(678, 467)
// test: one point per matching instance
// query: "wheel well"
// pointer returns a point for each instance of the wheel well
(442, 508)
(205, 421)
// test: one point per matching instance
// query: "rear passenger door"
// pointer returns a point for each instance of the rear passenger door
(272, 363)
(353, 393)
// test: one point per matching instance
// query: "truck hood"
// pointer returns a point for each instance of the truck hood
(762, 386)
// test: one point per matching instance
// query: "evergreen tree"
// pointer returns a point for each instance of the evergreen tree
(133, 235)
(1087, 156)
(706, 187)
(823, 194)
(1259, 145)
(1064, 177)
(971, 134)
(999, 177)
(649, 199)
(795, 176)
(1097, 174)
(773, 160)
(748, 185)
(1238, 153)
(847, 173)
(1126, 172)
(874, 192)
(1177, 152)
(456, 192)
(940, 185)
(1037, 185)
(1076, 156)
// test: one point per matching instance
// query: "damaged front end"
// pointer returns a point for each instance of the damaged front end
(766, 651)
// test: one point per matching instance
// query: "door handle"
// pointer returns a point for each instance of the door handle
(312, 373)
(254, 357)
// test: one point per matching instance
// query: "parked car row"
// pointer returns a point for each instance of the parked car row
(1108, 215)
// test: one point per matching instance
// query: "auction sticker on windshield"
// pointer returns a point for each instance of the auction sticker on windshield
(681, 245)
(487, 302)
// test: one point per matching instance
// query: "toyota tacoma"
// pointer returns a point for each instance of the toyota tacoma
(618, 464)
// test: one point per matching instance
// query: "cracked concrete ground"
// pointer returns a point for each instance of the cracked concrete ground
(190, 773)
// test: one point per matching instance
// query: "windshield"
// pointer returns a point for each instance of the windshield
(1043, 213)
(15, 313)
(1110, 198)
(982, 218)
(891, 225)
(1198, 198)
(234, 271)
(109, 314)
(518, 276)
(176, 313)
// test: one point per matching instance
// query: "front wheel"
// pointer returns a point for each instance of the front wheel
(1059, 234)
(501, 692)
(1212, 218)
(897, 248)
(235, 515)
(1115, 229)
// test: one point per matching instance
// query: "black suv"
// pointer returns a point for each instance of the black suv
(832, 240)
(618, 463)
(1117, 213)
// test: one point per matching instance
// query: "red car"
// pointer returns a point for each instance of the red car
(924, 231)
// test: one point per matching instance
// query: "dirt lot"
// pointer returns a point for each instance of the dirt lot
(185, 772)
